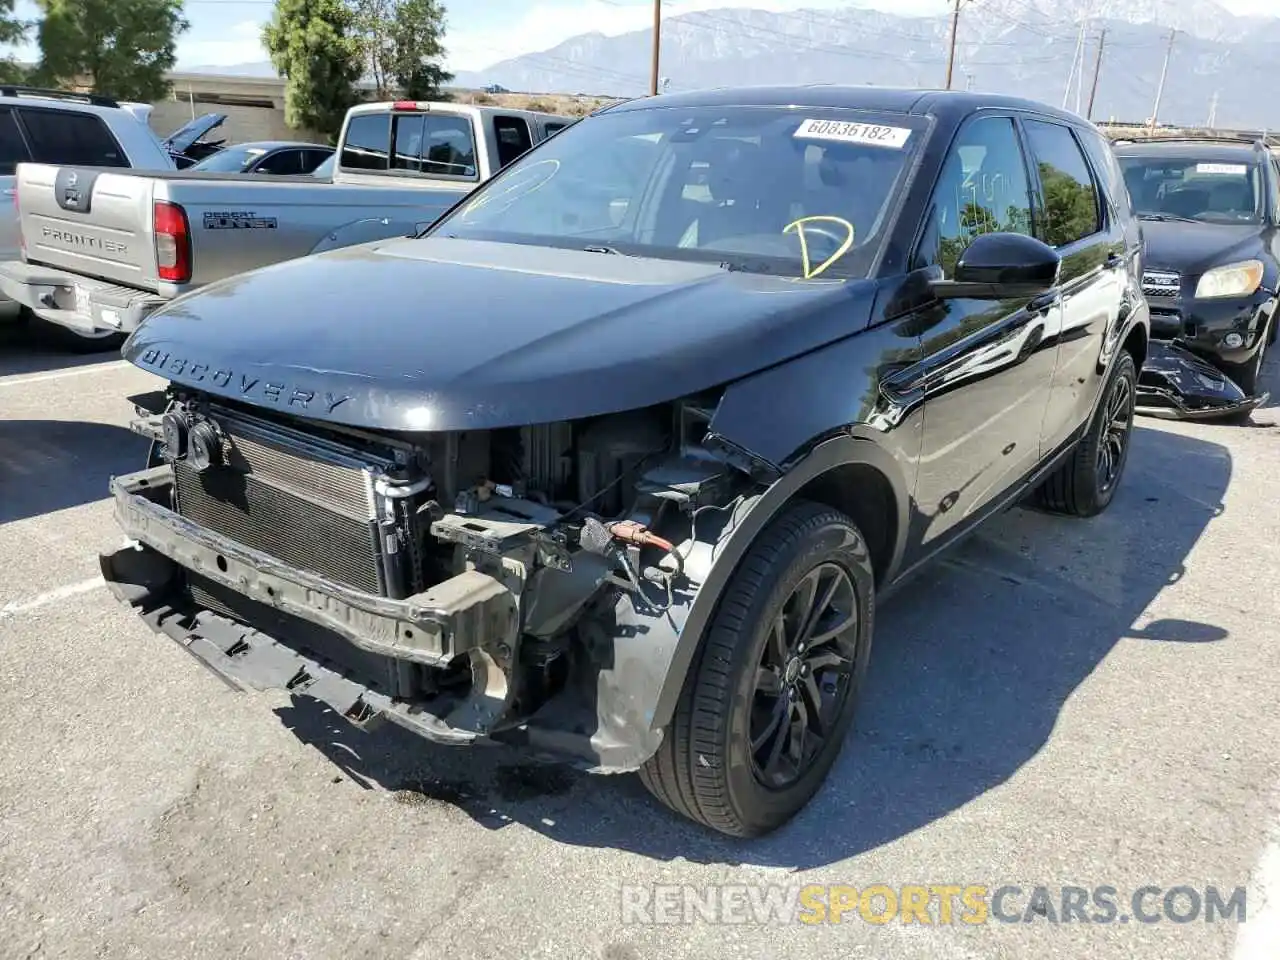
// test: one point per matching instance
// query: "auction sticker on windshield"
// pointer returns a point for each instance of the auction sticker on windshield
(845, 131)
(1238, 169)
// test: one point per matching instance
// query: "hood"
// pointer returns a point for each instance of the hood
(1192, 248)
(187, 134)
(443, 334)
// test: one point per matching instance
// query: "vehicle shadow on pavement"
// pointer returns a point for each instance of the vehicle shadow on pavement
(48, 465)
(29, 348)
(973, 661)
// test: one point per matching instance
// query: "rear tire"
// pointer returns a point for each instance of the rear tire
(1085, 484)
(737, 757)
(76, 342)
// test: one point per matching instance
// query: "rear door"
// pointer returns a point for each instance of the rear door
(1076, 218)
(13, 151)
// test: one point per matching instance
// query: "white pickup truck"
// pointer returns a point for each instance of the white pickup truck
(102, 248)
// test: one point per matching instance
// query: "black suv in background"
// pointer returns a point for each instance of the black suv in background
(1210, 211)
(740, 361)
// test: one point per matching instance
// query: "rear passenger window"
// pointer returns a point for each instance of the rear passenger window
(281, 163)
(406, 135)
(367, 141)
(983, 188)
(448, 147)
(13, 150)
(513, 138)
(1071, 209)
(71, 139)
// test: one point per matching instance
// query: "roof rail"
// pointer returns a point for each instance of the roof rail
(17, 90)
(1242, 139)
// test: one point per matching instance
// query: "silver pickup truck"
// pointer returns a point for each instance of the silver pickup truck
(103, 248)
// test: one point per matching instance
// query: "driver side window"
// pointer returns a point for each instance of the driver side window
(983, 188)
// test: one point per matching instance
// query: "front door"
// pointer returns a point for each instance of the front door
(986, 364)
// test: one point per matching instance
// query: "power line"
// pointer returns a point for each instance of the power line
(951, 55)
(1164, 72)
(657, 43)
(1097, 70)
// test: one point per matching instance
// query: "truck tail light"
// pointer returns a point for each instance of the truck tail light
(173, 242)
(17, 218)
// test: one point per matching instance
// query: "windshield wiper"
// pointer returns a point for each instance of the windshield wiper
(597, 248)
(1166, 218)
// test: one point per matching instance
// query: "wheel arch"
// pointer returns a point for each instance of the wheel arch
(851, 474)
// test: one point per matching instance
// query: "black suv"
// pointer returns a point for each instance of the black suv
(1210, 212)
(650, 422)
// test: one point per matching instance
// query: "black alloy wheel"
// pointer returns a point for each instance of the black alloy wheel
(771, 694)
(805, 675)
(1117, 426)
(1085, 483)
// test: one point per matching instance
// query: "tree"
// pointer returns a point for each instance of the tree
(12, 32)
(313, 46)
(400, 46)
(120, 48)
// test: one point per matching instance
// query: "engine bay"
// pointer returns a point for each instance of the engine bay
(511, 540)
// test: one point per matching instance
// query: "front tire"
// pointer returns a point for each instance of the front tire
(1085, 484)
(774, 686)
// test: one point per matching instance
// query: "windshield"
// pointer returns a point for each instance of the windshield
(793, 191)
(230, 160)
(1184, 188)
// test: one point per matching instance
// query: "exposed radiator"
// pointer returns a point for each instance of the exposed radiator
(306, 506)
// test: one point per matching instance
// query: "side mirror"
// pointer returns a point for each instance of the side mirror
(1000, 266)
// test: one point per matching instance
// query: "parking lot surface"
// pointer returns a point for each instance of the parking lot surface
(1059, 703)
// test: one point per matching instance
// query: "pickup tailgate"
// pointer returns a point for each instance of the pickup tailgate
(91, 221)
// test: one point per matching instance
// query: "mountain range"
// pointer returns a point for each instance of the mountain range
(1220, 65)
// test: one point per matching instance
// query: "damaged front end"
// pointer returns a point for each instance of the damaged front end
(521, 584)
(1176, 384)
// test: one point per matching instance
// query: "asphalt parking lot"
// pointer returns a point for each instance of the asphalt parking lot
(1059, 703)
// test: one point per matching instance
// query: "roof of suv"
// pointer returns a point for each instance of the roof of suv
(889, 99)
(1193, 149)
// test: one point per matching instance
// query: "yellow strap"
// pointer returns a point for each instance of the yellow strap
(798, 226)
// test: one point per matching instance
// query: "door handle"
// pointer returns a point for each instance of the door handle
(1043, 303)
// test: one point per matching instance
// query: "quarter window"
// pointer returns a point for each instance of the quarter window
(513, 138)
(71, 139)
(1071, 209)
(983, 188)
(13, 149)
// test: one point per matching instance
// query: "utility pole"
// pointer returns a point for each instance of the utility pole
(1097, 70)
(1075, 59)
(951, 57)
(1164, 72)
(1213, 110)
(657, 45)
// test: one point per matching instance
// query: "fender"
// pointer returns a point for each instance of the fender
(647, 652)
(737, 536)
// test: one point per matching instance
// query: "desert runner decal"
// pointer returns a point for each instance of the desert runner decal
(844, 131)
(238, 220)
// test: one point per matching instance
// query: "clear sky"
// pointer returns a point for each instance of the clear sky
(481, 32)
